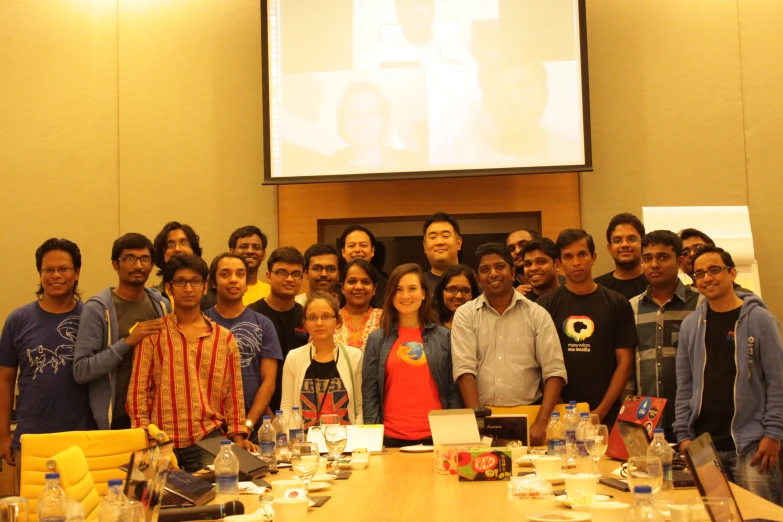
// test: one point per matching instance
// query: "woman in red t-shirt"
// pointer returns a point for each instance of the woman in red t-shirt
(407, 363)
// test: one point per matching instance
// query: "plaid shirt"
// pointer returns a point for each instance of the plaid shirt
(658, 328)
(187, 389)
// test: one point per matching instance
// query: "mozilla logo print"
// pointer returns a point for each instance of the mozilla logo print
(249, 338)
(40, 358)
(578, 327)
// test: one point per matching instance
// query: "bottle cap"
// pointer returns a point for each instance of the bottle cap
(50, 476)
(295, 408)
(266, 417)
(115, 482)
(225, 442)
(570, 407)
(572, 403)
(278, 412)
(642, 489)
(658, 430)
(555, 414)
(584, 415)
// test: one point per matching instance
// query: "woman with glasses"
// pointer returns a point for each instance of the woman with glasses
(323, 376)
(407, 363)
(457, 286)
(359, 283)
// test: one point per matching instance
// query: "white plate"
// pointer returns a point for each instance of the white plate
(318, 486)
(558, 480)
(563, 499)
(558, 516)
(420, 448)
(325, 478)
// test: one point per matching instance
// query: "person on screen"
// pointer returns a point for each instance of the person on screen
(456, 287)
(358, 242)
(358, 317)
(407, 363)
(363, 122)
(624, 243)
(442, 243)
(730, 377)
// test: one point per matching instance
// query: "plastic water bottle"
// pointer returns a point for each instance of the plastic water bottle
(571, 421)
(661, 449)
(267, 437)
(52, 502)
(295, 431)
(111, 509)
(282, 453)
(226, 473)
(555, 437)
(643, 509)
(583, 459)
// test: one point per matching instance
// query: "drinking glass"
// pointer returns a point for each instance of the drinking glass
(645, 471)
(723, 509)
(13, 509)
(75, 511)
(596, 442)
(304, 461)
(133, 511)
(336, 437)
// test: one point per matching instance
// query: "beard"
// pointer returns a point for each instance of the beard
(628, 265)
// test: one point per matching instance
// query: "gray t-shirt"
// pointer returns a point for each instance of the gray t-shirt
(128, 314)
(432, 281)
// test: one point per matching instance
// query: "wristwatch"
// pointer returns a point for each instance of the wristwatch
(249, 425)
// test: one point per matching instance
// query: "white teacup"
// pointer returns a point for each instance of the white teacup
(609, 511)
(581, 487)
(679, 512)
(279, 487)
(290, 509)
(548, 467)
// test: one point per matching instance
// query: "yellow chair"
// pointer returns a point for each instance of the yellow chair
(532, 411)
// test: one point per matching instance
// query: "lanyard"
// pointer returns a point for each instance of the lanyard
(319, 400)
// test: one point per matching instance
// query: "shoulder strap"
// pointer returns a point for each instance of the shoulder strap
(341, 346)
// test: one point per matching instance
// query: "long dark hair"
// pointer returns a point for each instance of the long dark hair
(390, 316)
(444, 314)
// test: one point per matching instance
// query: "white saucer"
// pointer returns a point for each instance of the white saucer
(563, 499)
(318, 486)
(325, 478)
(558, 516)
(420, 448)
(558, 480)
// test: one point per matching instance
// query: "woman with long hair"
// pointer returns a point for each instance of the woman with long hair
(359, 283)
(407, 363)
(457, 286)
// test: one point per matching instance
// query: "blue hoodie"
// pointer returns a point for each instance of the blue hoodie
(758, 386)
(99, 350)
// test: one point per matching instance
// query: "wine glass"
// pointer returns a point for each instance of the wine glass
(133, 511)
(645, 471)
(596, 441)
(304, 461)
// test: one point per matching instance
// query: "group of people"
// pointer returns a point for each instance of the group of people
(213, 348)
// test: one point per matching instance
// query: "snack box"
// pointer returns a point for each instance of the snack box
(483, 464)
(446, 456)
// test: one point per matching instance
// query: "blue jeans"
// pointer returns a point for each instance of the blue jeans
(767, 485)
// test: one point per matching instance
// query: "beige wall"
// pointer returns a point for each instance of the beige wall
(119, 115)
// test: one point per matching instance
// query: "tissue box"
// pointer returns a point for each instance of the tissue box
(484, 464)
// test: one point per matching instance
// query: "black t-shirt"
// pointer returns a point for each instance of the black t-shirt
(532, 296)
(591, 327)
(720, 372)
(432, 281)
(291, 334)
(626, 287)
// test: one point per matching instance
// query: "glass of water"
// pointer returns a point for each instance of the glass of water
(13, 509)
(596, 441)
(304, 461)
(645, 471)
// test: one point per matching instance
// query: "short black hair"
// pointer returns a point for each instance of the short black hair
(624, 218)
(131, 241)
(572, 235)
(437, 217)
(182, 262)
(319, 249)
(364, 265)
(354, 228)
(214, 265)
(535, 234)
(444, 314)
(58, 244)
(688, 233)
(544, 244)
(287, 254)
(247, 231)
(663, 237)
(710, 249)
(488, 249)
(163, 236)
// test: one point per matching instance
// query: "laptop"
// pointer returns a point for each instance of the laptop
(705, 466)
(637, 409)
(147, 474)
(250, 466)
(185, 490)
(503, 429)
(637, 440)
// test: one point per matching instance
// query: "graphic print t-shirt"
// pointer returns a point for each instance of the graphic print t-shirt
(323, 391)
(40, 344)
(591, 327)
(257, 339)
(410, 392)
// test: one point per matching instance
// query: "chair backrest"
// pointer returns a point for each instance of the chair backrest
(532, 411)
(104, 450)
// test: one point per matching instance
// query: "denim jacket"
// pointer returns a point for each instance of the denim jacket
(437, 348)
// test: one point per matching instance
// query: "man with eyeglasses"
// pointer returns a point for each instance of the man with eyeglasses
(624, 243)
(515, 242)
(505, 349)
(285, 272)
(37, 344)
(730, 377)
(659, 313)
(250, 243)
(187, 376)
(322, 271)
(113, 323)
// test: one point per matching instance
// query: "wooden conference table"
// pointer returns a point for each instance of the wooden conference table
(404, 486)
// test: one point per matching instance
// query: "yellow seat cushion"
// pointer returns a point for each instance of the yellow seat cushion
(532, 411)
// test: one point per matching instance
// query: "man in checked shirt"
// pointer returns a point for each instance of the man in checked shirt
(187, 378)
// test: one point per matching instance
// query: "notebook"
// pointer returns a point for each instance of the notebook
(637, 441)
(505, 428)
(249, 464)
(705, 467)
(645, 411)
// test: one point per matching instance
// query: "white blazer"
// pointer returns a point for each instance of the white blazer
(298, 361)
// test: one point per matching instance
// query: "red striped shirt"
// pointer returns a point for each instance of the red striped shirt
(187, 389)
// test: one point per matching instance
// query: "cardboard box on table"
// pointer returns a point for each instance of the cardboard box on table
(452, 431)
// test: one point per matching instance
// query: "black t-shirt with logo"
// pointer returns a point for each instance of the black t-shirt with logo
(591, 327)
(720, 372)
(628, 288)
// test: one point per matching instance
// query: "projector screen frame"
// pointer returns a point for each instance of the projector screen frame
(587, 166)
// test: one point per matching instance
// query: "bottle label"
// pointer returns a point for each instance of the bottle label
(667, 472)
(571, 436)
(580, 446)
(295, 435)
(282, 439)
(226, 483)
(556, 446)
(267, 448)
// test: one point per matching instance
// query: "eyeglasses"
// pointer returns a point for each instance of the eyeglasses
(282, 273)
(173, 244)
(63, 270)
(688, 251)
(323, 318)
(457, 290)
(713, 271)
(195, 283)
(330, 269)
(631, 240)
(130, 259)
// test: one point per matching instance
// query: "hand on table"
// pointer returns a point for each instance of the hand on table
(245, 444)
(538, 433)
